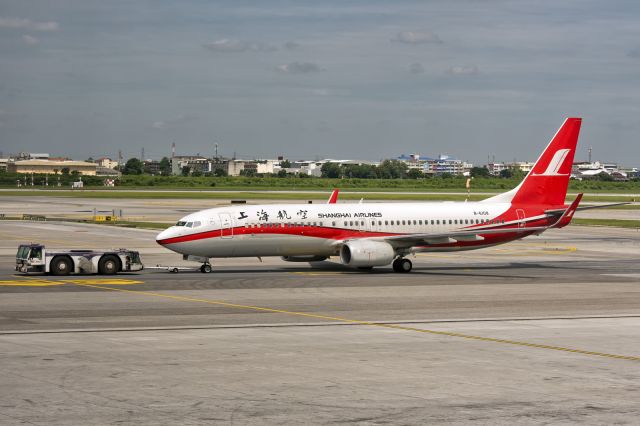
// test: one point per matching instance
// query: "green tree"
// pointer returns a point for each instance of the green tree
(196, 172)
(506, 173)
(392, 169)
(282, 173)
(479, 172)
(220, 172)
(330, 170)
(65, 171)
(415, 174)
(604, 177)
(165, 166)
(133, 167)
(186, 171)
(285, 164)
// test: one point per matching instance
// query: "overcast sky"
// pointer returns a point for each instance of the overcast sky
(306, 79)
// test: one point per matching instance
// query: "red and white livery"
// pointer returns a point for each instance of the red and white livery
(380, 234)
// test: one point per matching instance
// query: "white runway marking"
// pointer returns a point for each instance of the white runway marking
(623, 275)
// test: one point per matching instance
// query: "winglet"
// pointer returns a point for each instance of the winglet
(334, 197)
(566, 217)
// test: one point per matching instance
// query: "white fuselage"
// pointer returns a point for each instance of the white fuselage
(313, 229)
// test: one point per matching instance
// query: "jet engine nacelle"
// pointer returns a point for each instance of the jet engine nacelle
(309, 258)
(366, 253)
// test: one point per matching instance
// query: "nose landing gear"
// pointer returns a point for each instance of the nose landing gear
(206, 268)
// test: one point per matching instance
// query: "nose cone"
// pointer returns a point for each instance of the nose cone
(162, 237)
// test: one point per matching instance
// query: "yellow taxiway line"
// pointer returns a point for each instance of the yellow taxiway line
(368, 323)
(23, 281)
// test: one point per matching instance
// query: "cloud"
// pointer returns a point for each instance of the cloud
(27, 24)
(463, 70)
(291, 45)
(232, 46)
(299, 68)
(416, 37)
(416, 68)
(634, 53)
(178, 119)
(30, 40)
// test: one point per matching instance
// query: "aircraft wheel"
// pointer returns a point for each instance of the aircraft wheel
(205, 269)
(402, 265)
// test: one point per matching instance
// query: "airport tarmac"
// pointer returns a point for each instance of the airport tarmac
(543, 330)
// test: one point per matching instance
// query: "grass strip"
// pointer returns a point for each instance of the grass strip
(619, 223)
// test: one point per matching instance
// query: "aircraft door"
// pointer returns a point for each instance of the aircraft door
(226, 225)
(521, 216)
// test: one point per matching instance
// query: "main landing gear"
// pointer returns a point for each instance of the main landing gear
(206, 268)
(402, 265)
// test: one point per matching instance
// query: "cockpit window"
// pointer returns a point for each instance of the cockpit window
(181, 223)
(197, 223)
(189, 224)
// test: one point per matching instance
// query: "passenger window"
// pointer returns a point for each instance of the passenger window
(450, 221)
(333, 224)
(345, 223)
(403, 222)
(432, 221)
(392, 222)
(419, 222)
(386, 222)
(362, 222)
(350, 223)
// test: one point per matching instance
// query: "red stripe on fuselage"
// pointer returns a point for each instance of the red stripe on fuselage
(301, 231)
(331, 234)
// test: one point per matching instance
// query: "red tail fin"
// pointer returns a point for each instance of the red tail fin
(546, 184)
(334, 197)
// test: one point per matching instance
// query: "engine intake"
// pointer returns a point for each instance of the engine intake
(366, 253)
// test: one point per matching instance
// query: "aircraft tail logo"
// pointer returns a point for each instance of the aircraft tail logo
(556, 162)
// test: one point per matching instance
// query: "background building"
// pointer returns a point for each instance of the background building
(52, 167)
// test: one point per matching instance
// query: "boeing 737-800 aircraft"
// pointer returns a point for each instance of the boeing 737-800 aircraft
(379, 234)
